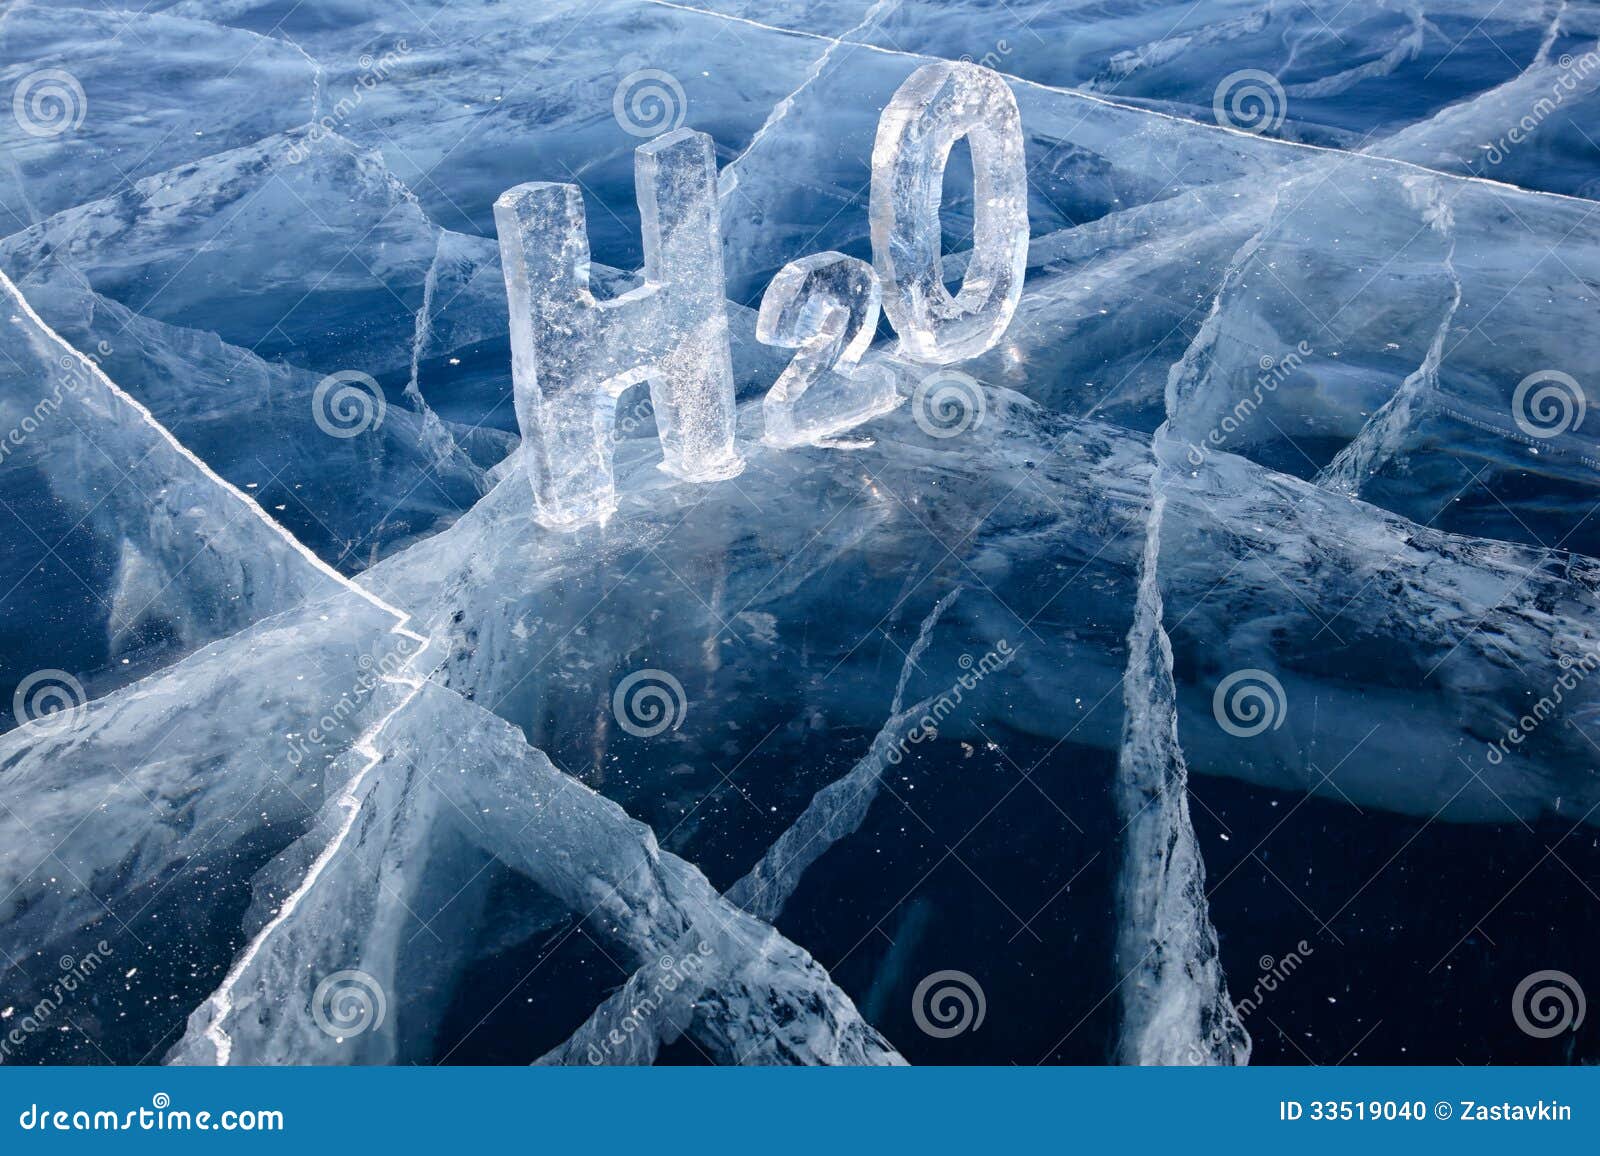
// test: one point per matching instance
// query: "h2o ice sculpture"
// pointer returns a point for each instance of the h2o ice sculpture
(573, 355)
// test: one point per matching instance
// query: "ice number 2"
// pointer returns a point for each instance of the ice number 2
(827, 307)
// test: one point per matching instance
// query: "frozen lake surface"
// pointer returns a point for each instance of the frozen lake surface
(1207, 679)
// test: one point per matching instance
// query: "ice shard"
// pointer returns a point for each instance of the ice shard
(573, 356)
(761, 998)
(116, 526)
(256, 423)
(1175, 1004)
(826, 306)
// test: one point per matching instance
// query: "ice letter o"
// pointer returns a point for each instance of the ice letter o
(937, 106)
(572, 355)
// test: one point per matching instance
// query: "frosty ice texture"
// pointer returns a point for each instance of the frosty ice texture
(929, 113)
(827, 307)
(573, 355)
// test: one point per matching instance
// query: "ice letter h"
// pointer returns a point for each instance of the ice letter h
(572, 356)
